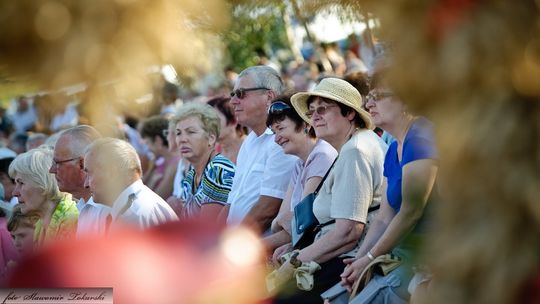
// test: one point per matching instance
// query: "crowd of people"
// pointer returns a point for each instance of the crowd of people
(348, 148)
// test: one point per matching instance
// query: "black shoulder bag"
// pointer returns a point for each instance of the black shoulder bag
(306, 225)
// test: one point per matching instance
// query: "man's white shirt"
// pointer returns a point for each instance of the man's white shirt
(262, 169)
(145, 210)
(92, 217)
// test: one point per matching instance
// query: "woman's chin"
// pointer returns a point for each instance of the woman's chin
(288, 149)
(321, 135)
(23, 208)
(189, 157)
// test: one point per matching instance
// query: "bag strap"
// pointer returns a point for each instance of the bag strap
(374, 208)
(324, 178)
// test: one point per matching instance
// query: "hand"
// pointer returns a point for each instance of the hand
(284, 273)
(281, 251)
(353, 270)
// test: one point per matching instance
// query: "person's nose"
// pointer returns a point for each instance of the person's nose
(315, 116)
(52, 169)
(234, 100)
(16, 191)
(277, 138)
(182, 138)
(369, 103)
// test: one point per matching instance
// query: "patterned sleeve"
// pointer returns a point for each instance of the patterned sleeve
(217, 182)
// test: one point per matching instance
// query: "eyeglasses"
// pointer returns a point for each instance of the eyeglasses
(376, 96)
(56, 163)
(321, 110)
(241, 93)
(278, 107)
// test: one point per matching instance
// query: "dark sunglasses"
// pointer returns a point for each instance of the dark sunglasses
(278, 107)
(241, 93)
(321, 110)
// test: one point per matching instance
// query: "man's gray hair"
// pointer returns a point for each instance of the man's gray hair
(115, 155)
(80, 137)
(264, 77)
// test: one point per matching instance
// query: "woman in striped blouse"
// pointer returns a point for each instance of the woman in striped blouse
(208, 182)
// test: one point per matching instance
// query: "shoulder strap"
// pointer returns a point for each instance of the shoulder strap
(324, 178)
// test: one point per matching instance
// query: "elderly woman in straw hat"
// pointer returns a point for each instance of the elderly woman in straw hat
(352, 188)
(37, 192)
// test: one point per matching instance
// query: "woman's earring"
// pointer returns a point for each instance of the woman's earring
(306, 130)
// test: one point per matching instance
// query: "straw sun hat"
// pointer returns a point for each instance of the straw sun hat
(337, 90)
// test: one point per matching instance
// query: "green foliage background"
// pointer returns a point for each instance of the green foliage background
(251, 29)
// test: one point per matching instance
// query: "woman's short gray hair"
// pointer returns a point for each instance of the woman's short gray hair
(264, 77)
(35, 165)
(114, 153)
(207, 115)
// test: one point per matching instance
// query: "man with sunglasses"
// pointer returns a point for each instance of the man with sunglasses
(67, 167)
(263, 170)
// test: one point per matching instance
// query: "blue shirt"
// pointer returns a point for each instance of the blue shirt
(419, 144)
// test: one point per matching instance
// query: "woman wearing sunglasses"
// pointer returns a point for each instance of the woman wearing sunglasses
(410, 169)
(352, 187)
(295, 137)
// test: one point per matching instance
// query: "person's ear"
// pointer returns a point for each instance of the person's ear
(211, 140)
(350, 116)
(271, 96)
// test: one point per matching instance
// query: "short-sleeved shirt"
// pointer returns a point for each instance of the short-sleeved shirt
(418, 144)
(215, 185)
(262, 169)
(317, 164)
(354, 184)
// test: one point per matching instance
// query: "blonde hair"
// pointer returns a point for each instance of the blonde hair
(207, 115)
(35, 165)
